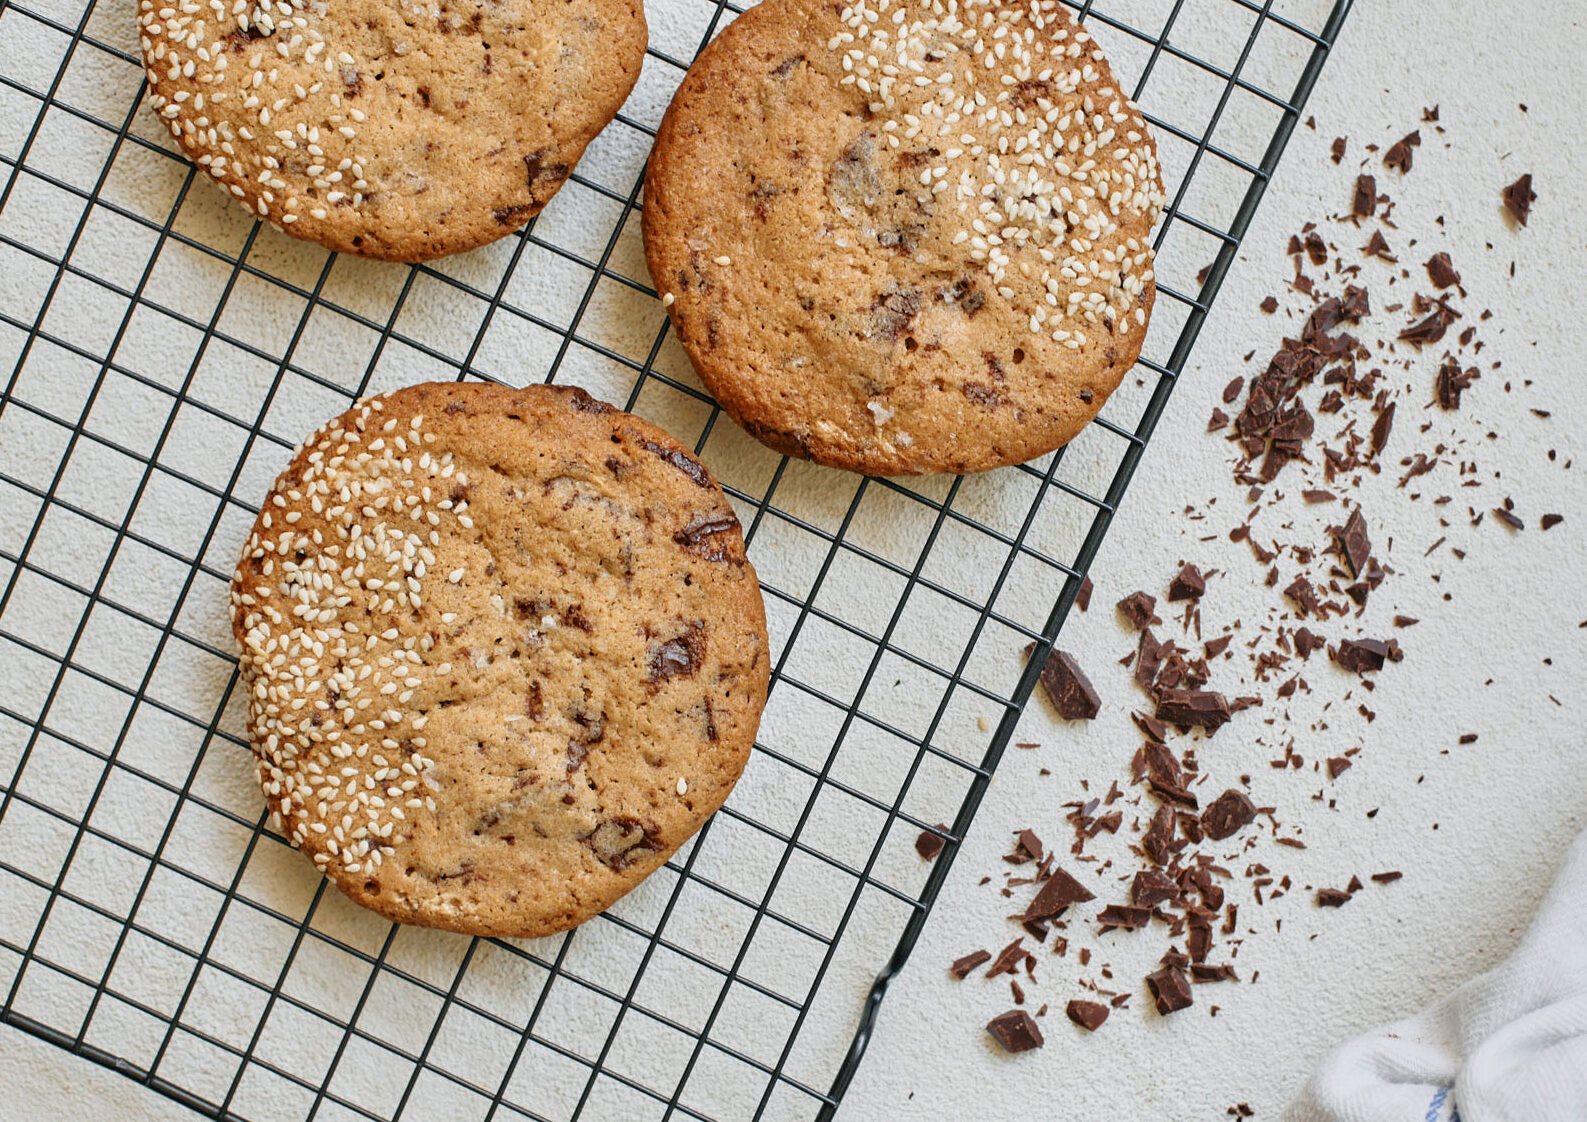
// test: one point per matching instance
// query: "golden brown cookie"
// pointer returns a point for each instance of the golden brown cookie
(504, 653)
(394, 130)
(905, 236)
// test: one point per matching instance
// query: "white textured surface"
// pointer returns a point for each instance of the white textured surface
(1504, 806)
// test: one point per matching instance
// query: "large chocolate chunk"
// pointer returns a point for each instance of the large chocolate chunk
(1056, 893)
(1139, 608)
(1170, 990)
(1204, 709)
(1229, 813)
(1361, 655)
(1016, 1031)
(1089, 1015)
(1071, 692)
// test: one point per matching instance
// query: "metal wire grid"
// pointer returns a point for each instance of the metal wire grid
(167, 353)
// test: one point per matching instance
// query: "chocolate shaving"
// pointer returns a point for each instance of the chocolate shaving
(962, 967)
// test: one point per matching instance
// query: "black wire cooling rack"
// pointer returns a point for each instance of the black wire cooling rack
(165, 354)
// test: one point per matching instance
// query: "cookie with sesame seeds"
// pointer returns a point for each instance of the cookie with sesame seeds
(400, 131)
(905, 236)
(503, 650)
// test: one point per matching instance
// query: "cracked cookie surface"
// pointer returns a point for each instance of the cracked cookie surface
(395, 130)
(504, 653)
(905, 236)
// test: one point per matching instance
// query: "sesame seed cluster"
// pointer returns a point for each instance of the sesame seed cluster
(249, 131)
(398, 129)
(906, 236)
(341, 761)
(1026, 136)
(503, 653)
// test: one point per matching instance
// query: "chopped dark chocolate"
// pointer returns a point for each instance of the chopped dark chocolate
(1008, 959)
(1441, 271)
(1337, 149)
(1228, 814)
(1386, 878)
(1016, 1031)
(1057, 892)
(1170, 990)
(1188, 584)
(1361, 655)
(1158, 841)
(1332, 897)
(1127, 916)
(1193, 708)
(1152, 888)
(1451, 382)
(1381, 428)
(1549, 521)
(1377, 246)
(1203, 972)
(962, 967)
(1519, 197)
(929, 844)
(1089, 1015)
(1083, 596)
(1509, 518)
(1366, 197)
(1337, 765)
(1354, 545)
(1431, 329)
(1071, 692)
(1269, 304)
(1139, 608)
(1399, 154)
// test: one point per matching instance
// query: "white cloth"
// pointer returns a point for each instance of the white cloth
(1508, 1046)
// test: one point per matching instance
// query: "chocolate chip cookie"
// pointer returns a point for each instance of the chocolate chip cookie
(903, 236)
(504, 653)
(394, 130)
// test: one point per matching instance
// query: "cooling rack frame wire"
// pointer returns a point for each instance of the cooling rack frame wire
(128, 933)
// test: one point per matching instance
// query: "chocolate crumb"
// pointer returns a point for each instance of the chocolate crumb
(928, 844)
(1387, 878)
(1332, 898)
